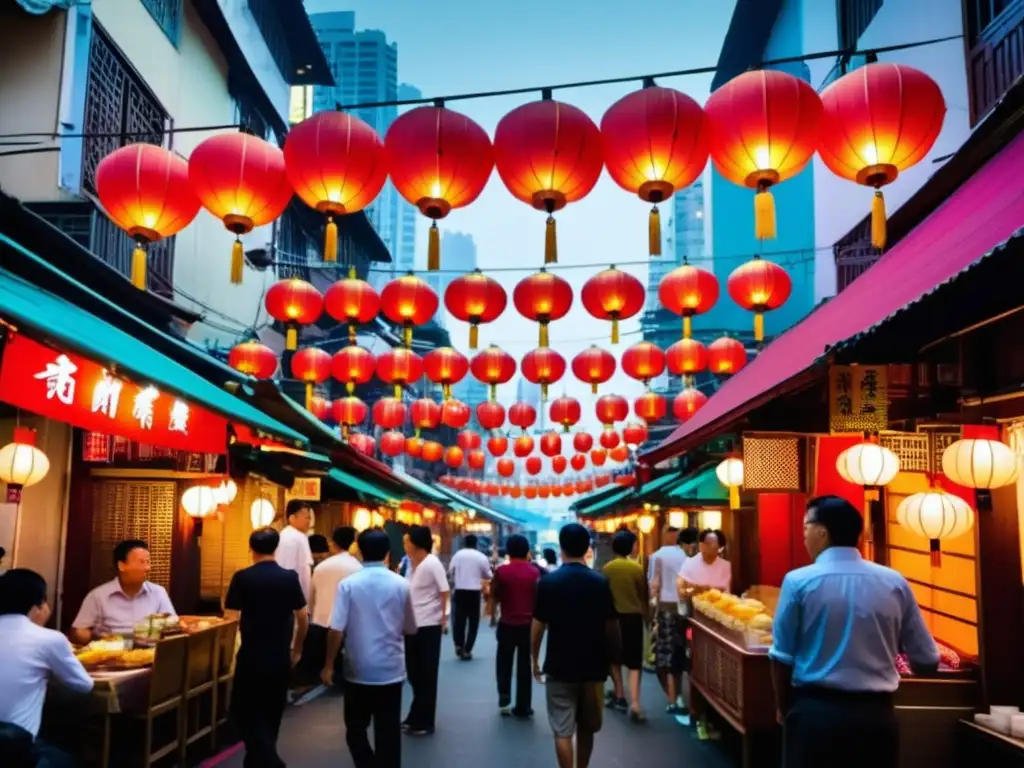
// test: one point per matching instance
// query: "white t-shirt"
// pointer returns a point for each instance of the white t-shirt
(427, 582)
(326, 578)
(666, 563)
(717, 575)
(469, 567)
(294, 554)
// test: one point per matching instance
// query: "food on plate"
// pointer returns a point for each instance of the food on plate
(761, 622)
(765, 640)
(139, 657)
(712, 595)
(751, 603)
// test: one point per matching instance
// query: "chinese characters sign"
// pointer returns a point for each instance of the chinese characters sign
(75, 390)
(305, 488)
(858, 398)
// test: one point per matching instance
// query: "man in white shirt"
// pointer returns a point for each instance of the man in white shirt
(32, 655)
(293, 552)
(670, 632)
(469, 569)
(327, 575)
(428, 586)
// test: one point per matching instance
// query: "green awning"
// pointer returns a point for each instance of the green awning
(436, 495)
(608, 503)
(582, 506)
(702, 487)
(463, 502)
(53, 320)
(363, 489)
(632, 496)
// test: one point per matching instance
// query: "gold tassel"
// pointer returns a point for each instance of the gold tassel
(615, 330)
(734, 497)
(434, 249)
(291, 338)
(758, 326)
(139, 267)
(309, 395)
(543, 335)
(878, 220)
(764, 215)
(494, 392)
(331, 240)
(351, 334)
(350, 387)
(474, 336)
(446, 391)
(544, 393)
(352, 272)
(237, 262)
(407, 336)
(593, 387)
(398, 391)
(550, 242)
(687, 326)
(654, 232)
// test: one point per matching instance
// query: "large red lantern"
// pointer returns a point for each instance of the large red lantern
(613, 295)
(144, 189)
(335, 163)
(293, 302)
(759, 286)
(579, 462)
(392, 443)
(468, 440)
(253, 359)
(389, 413)
(542, 366)
(365, 444)
(408, 301)
(506, 467)
(534, 465)
(582, 441)
(643, 361)
(655, 143)
(598, 456)
(241, 180)
(313, 366)
(493, 366)
(523, 446)
(543, 298)
(476, 459)
(432, 451)
(593, 366)
(352, 301)
(453, 456)
(522, 415)
(445, 366)
(610, 439)
(650, 406)
(611, 408)
(438, 160)
(726, 356)
(558, 464)
(878, 120)
(455, 413)
(349, 412)
(490, 415)
(686, 358)
(765, 126)
(352, 366)
(425, 413)
(414, 446)
(551, 444)
(320, 408)
(475, 298)
(548, 154)
(565, 411)
(399, 367)
(688, 291)
(497, 445)
(687, 403)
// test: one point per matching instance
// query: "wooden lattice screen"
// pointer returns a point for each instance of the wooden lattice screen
(133, 509)
(772, 464)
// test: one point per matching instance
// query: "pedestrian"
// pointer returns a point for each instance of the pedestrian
(320, 548)
(839, 625)
(294, 552)
(514, 592)
(470, 570)
(550, 558)
(268, 603)
(630, 592)
(575, 608)
(372, 615)
(669, 633)
(428, 586)
(327, 575)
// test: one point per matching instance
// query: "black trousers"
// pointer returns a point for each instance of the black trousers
(514, 641)
(466, 609)
(383, 705)
(422, 657)
(840, 730)
(258, 699)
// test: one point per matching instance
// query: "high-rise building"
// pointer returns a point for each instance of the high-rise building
(685, 241)
(409, 218)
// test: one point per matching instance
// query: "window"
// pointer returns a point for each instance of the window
(270, 27)
(981, 13)
(167, 14)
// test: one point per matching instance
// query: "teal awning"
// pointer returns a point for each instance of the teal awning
(632, 495)
(582, 506)
(702, 487)
(434, 494)
(470, 505)
(363, 489)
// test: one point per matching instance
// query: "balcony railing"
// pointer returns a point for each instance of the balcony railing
(995, 58)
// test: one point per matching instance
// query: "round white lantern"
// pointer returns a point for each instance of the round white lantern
(935, 515)
(261, 513)
(677, 519)
(645, 524)
(868, 464)
(226, 492)
(730, 474)
(976, 463)
(200, 500)
(361, 519)
(21, 463)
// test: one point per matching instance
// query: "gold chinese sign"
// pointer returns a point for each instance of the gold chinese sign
(305, 488)
(858, 398)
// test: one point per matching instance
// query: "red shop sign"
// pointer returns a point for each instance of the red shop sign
(75, 390)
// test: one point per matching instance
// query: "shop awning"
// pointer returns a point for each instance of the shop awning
(632, 496)
(436, 494)
(460, 501)
(348, 484)
(582, 506)
(983, 212)
(702, 487)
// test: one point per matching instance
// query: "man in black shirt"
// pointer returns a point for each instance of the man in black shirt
(270, 601)
(574, 606)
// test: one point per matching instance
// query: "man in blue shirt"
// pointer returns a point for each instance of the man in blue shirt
(839, 626)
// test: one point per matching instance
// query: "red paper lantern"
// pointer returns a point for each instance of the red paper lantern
(582, 441)
(293, 302)
(548, 154)
(144, 189)
(655, 142)
(686, 357)
(414, 446)
(515, 492)
(241, 180)
(565, 411)
(522, 415)
(530, 492)
(759, 286)
(878, 120)
(543, 298)
(455, 413)
(625, 480)
(352, 366)
(445, 366)
(534, 465)
(453, 456)
(475, 298)
(726, 356)
(468, 440)
(688, 291)
(523, 446)
(593, 366)
(558, 464)
(611, 408)
(426, 414)
(555, 490)
(352, 301)
(579, 462)
(602, 480)
(253, 359)
(389, 413)
(542, 366)
(399, 367)
(392, 443)
(609, 439)
(477, 460)
(365, 444)
(335, 163)
(498, 445)
(432, 451)
(568, 489)
(551, 444)
(613, 295)
(438, 160)
(687, 403)
(313, 366)
(643, 361)
(584, 486)
(408, 301)
(349, 412)
(765, 126)
(320, 408)
(493, 489)
(506, 467)
(493, 366)
(620, 453)
(650, 407)
(490, 415)
(543, 491)
(634, 434)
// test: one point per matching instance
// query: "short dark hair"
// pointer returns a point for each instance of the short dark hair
(688, 536)
(517, 546)
(374, 545)
(343, 537)
(318, 544)
(469, 541)
(719, 534)
(501, 552)
(574, 540)
(295, 506)
(421, 538)
(264, 541)
(550, 555)
(841, 519)
(124, 548)
(622, 543)
(21, 590)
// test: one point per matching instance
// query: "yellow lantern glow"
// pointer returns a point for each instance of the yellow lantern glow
(361, 519)
(645, 524)
(677, 519)
(199, 500)
(978, 463)
(226, 492)
(730, 474)
(711, 519)
(377, 519)
(261, 513)
(935, 515)
(21, 463)
(868, 464)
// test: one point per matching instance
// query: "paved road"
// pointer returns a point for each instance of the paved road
(471, 733)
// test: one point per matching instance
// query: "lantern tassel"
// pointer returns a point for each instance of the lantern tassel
(350, 387)
(544, 339)
(434, 249)
(654, 232)
(878, 232)
(758, 326)
(352, 334)
(237, 261)
(936, 553)
(446, 391)
(615, 330)
(407, 336)
(291, 338)
(139, 267)
(474, 336)
(309, 395)
(687, 326)
(544, 392)
(593, 387)
(494, 392)
(331, 240)
(398, 391)
(550, 242)
(764, 215)
(734, 497)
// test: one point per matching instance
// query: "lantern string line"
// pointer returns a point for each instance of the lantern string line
(851, 52)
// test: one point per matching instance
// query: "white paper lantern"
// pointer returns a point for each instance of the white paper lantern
(645, 524)
(261, 513)
(199, 500)
(868, 464)
(361, 519)
(730, 474)
(21, 463)
(226, 492)
(676, 519)
(976, 463)
(935, 515)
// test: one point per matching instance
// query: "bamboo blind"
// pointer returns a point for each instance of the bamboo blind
(133, 509)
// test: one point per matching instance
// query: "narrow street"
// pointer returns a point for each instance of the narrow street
(470, 732)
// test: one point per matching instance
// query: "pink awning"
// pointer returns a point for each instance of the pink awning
(985, 211)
